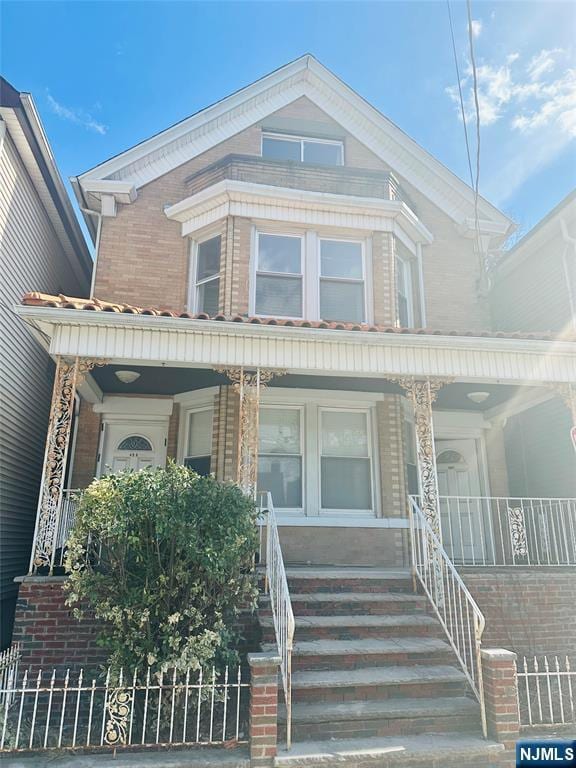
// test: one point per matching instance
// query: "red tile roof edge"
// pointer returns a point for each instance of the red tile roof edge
(36, 299)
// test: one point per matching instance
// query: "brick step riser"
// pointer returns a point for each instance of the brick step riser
(362, 661)
(399, 726)
(309, 586)
(351, 609)
(378, 692)
(356, 633)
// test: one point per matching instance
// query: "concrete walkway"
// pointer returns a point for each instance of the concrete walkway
(185, 758)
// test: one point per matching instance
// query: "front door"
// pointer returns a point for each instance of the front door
(462, 514)
(133, 446)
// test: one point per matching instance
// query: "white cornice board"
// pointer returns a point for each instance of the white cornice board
(303, 77)
(143, 339)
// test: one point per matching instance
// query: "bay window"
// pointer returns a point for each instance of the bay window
(206, 276)
(310, 276)
(404, 291)
(279, 281)
(341, 281)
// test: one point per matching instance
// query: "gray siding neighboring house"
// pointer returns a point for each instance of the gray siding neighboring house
(534, 289)
(41, 248)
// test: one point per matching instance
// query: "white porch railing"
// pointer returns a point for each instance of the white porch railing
(456, 609)
(500, 531)
(9, 664)
(277, 587)
(546, 692)
(49, 710)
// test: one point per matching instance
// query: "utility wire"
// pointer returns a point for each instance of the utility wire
(458, 80)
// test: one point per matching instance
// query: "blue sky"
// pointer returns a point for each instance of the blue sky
(105, 75)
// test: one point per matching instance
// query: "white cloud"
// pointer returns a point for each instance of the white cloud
(530, 110)
(76, 115)
(476, 27)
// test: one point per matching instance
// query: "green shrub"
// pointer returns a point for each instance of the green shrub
(167, 568)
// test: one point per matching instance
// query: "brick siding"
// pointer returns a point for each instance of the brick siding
(86, 451)
(528, 610)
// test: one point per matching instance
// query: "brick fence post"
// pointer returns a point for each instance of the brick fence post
(500, 695)
(263, 708)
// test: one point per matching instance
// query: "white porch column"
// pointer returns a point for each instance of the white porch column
(248, 385)
(66, 379)
(422, 394)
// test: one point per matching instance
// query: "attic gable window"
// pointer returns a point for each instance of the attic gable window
(302, 149)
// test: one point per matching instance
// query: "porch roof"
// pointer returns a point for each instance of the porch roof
(120, 333)
(36, 299)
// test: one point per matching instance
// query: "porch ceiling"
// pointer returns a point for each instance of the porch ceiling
(156, 380)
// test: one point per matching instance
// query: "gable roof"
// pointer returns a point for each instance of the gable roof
(19, 115)
(305, 76)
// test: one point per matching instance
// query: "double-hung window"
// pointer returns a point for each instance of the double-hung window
(302, 149)
(342, 281)
(206, 283)
(198, 448)
(404, 292)
(280, 455)
(279, 278)
(345, 463)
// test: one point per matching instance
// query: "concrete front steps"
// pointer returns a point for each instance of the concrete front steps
(371, 666)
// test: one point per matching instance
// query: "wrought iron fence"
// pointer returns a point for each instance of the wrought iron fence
(501, 531)
(277, 586)
(9, 664)
(45, 711)
(456, 609)
(546, 691)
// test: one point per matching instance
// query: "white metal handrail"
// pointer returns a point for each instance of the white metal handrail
(509, 531)
(456, 609)
(277, 586)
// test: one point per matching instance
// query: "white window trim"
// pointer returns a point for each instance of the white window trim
(297, 511)
(408, 288)
(302, 139)
(193, 283)
(310, 271)
(370, 442)
(195, 400)
(312, 401)
(186, 437)
(254, 271)
(363, 243)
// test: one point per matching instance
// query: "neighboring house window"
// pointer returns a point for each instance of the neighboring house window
(302, 149)
(342, 281)
(198, 447)
(279, 280)
(308, 276)
(404, 292)
(280, 456)
(206, 284)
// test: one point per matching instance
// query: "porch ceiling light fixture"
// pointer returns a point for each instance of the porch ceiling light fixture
(478, 397)
(127, 377)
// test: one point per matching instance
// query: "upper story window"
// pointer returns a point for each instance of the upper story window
(279, 279)
(342, 280)
(302, 149)
(404, 292)
(206, 276)
(309, 276)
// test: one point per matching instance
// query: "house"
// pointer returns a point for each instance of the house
(42, 245)
(287, 293)
(534, 285)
